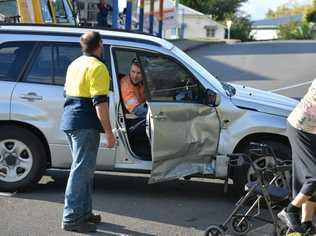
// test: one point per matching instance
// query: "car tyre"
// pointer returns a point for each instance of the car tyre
(22, 158)
(242, 174)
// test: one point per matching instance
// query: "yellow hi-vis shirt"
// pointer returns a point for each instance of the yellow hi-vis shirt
(87, 84)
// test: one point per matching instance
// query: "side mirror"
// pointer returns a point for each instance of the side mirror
(212, 98)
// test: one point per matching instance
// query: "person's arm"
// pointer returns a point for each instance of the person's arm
(102, 111)
(99, 89)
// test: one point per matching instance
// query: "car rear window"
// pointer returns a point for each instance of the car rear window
(13, 57)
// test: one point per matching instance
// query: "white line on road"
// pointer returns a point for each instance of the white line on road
(292, 86)
(7, 194)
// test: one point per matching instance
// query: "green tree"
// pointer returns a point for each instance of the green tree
(288, 9)
(241, 28)
(219, 9)
(222, 10)
(295, 30)
(310, 15)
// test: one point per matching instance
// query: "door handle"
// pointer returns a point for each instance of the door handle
(160, 116)
(31, 96)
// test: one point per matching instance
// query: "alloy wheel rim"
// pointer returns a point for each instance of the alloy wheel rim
(263, 163)
(16, 160)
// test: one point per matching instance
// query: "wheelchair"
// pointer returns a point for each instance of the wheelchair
(266, 191)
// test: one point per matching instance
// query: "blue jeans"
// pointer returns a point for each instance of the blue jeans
(141, 110)
(84, 144)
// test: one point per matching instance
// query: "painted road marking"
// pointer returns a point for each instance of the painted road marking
(292, 86)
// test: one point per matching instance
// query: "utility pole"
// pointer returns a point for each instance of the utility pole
(151, 17)
(177, 19)
(128, 23)
(115, 13)
(229, 25)
(160, 18)
(141, 15)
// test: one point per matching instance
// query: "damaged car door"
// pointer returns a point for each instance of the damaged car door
(182, 127)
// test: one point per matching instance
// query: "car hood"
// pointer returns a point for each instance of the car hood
(262, 101)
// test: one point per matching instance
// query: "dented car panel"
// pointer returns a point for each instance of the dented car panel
(184, 139)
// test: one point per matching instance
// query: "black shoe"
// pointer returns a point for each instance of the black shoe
(310, 230)
(292, 220)
(94, 218)
(83, 227)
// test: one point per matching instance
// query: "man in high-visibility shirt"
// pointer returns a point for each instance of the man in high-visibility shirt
(133, 91)
(86, 114)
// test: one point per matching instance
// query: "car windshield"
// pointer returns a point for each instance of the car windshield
(200, 69)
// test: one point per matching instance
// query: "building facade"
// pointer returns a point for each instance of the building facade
(268, 29)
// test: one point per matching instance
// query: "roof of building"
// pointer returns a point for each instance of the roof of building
(276, 22)
(8, 8)
(185, 10)
(188, 11)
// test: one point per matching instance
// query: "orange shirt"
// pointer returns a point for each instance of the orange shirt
(133, 95)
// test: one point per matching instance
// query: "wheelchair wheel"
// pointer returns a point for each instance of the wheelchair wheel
(239, 228)
(214, 230)
(284, 231)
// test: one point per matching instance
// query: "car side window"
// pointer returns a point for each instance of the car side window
(63, 55)
(167, 80)
(50, 65)
(123, 61)
(42, 67)
(13, 57)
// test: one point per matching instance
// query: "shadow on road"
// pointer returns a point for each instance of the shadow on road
(264, 48)
(228, 73)
(263, 65)
(181, 203)
(108, 229)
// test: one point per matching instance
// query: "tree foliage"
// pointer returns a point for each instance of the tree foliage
(241, 28)
(295, 30)
(222, 10)
(288, 9)
(219, 9)
(310, 15)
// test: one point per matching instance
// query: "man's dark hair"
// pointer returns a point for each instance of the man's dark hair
(90, 41)
(135, 62)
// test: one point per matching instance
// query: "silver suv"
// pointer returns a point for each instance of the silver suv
(193, 122)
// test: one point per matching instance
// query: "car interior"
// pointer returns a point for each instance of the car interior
(135, 126)
(13, 62)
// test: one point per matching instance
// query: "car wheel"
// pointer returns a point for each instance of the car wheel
(244, 174)
(22, 158)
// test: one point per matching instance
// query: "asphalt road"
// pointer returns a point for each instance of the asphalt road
(128, 205)
(284, 67)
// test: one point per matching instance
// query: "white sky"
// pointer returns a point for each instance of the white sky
(122, 4)
(258, 8)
